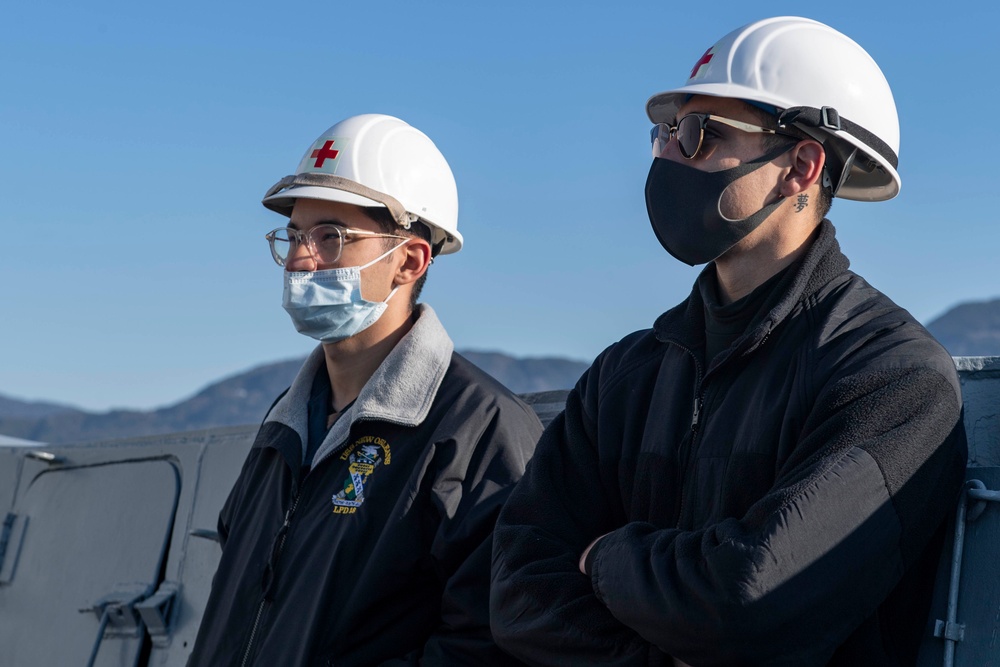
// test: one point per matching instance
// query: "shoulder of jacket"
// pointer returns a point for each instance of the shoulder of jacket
(483, 391)
(860, 322)
(635, 352)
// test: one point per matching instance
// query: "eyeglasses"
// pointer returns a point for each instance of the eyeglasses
(325, 242)
(690, 132)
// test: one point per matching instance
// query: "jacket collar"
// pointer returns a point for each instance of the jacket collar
(823, 261)
(401, 391)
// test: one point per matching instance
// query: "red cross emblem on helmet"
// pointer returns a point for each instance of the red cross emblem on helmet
(324, 155)
(704, 60)
(321, 155)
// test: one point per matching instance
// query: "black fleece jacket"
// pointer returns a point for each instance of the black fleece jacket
(783, 506)
(379, 554)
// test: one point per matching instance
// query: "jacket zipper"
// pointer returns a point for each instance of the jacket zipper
(699, 399)
(253, 633)
(282, 534)
(699, 402)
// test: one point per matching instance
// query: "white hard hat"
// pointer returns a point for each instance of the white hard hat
(819, 81)
(377, 160)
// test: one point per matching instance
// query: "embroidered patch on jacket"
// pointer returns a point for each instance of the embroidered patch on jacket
(363, 457)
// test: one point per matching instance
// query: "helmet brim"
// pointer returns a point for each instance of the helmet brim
(283, 202)
(662, 107)
(880, 183)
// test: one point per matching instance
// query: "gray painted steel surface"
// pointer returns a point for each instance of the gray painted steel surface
(124, 531)
(970, 566)
(95, 521)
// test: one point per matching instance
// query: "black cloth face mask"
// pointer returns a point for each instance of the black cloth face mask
(684, 207)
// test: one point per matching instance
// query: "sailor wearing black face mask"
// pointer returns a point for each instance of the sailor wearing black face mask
(685, 206)
(763, 477)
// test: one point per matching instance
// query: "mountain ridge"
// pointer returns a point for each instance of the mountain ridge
(240, 398)
(967, 329)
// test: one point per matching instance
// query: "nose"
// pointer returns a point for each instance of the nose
(671, 150)
(300, 259)
(664, 144)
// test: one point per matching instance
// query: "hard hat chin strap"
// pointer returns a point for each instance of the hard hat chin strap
(840, 156)
(399, 213)
(827, 118)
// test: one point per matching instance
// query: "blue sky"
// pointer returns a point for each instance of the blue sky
(138, 138)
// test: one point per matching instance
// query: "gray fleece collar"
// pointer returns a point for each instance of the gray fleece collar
(401, 391)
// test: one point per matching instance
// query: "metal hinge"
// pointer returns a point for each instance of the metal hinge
(155, 612)
(118, 607)
(953, 631)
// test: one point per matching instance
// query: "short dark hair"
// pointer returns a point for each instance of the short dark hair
(388, 225)
(771, 141)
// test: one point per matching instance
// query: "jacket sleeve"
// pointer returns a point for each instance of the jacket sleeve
(462, 545)
(876, 472)
(225, 518)
(542, 608)
(227, 514)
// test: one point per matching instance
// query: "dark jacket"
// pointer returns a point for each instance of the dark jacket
(783, 506)
(381, 552)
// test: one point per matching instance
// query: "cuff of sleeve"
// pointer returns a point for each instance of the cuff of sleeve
(588, 562)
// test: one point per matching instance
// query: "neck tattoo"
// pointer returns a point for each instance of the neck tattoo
(801, 203)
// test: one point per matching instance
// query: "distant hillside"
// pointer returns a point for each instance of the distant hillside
(527, 375)
(12, 407)
(969, 329)
(240, 399)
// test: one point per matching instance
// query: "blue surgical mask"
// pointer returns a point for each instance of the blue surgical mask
(327, 305)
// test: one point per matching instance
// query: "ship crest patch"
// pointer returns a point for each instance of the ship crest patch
(363, 458)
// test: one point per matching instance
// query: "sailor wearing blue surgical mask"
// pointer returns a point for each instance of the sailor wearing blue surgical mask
(360, 528)
(323, 293)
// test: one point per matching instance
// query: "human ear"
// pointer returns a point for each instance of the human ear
(416, 259)
(807, 160)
